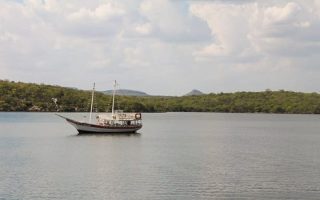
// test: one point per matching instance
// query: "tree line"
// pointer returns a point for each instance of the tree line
(18, 96)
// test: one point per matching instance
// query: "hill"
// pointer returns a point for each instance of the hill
(17, 96)
(194, 93)
(125, 92)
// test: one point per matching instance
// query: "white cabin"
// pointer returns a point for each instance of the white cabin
(119, 117)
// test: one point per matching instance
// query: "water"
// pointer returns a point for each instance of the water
(175, 156)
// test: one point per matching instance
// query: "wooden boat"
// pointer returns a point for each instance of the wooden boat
(115, 122)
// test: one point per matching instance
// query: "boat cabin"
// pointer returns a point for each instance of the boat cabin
(119, 118)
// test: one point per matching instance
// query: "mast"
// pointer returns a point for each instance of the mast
(114, 93)
(94, 84)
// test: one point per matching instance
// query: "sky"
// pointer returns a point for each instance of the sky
(163, 47)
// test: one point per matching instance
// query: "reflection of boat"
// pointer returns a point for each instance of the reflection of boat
(114, 122)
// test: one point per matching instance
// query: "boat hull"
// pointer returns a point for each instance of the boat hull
(93, 128)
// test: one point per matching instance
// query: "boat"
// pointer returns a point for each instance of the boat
(115, 122)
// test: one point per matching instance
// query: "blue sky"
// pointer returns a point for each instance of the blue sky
(165, 47)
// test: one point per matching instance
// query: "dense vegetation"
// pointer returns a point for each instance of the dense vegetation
(17, 96)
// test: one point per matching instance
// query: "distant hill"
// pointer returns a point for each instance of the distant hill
(124, 92)
(194, 93)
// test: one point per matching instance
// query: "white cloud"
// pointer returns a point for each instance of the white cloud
(286, 31)
(229, 27)
(171, 21)
(9, 37)
(47, 5)
(278, 15)
(102, 12)
(143, 29)
(162, 46)
(252, 28)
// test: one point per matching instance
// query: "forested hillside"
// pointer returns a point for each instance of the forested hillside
(17, 96)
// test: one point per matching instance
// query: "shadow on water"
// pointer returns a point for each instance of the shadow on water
(108, 135)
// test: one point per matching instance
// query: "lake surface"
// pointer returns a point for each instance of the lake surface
(174, 156)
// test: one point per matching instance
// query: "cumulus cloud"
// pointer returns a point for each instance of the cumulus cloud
(172, 22)
(256, 37)
(228, 23)
(282, 15)
(102, 12)
(253, 28)
(155, 45)
(143, 29)
(287, 30)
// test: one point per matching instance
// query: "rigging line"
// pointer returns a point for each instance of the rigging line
(120, 93)
(94, 84)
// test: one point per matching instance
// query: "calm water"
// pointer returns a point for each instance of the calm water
(175, 156)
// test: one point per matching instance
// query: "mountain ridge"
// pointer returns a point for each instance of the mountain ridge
(126, 92)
